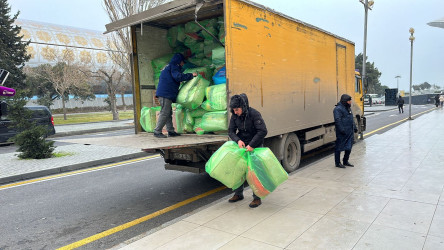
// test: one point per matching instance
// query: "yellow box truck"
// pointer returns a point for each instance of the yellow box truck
(292, 72)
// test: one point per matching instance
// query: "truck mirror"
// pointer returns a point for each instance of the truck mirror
(3, 108)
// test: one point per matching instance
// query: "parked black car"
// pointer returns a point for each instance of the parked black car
(41, 115)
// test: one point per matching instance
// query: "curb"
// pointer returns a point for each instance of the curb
(81, 132)
(58, 170)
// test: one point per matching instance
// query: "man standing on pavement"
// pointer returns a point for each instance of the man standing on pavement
(167, 90)
(248, 129)
(345, 128)
(400, 103)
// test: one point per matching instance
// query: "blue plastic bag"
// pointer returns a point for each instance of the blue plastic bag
(220, 76)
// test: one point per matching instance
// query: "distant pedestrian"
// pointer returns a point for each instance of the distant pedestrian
(436, 100)
(441, 100)
(400, 103)
(370, 100)
(345, 129)
(167, 90)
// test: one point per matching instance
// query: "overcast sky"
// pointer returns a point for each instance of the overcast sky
(388, 44)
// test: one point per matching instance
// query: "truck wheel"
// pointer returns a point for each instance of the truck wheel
(292, 153)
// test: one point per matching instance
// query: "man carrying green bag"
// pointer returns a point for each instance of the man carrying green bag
(248, 130)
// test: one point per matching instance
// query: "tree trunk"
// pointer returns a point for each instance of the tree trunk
(123, 101)
(64, 107)
(113, 101)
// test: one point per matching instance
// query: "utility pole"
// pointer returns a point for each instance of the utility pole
(411, 38)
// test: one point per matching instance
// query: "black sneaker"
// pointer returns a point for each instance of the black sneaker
(173, 134)
(159, 135)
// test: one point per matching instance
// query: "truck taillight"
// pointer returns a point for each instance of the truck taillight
(52, 120)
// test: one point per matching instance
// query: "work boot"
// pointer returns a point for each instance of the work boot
(236, 198)
(255, 203)
(348, 164)
(159, 135)
(173, 134)
(339, 165)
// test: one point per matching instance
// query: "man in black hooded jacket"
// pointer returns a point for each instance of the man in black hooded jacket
(248, 129)
(345, 128)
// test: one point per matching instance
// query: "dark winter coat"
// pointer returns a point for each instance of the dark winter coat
(345, 126)
(171, 77)
(248, 127)
(400, 101)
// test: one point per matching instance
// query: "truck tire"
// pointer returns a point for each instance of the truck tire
(292, 153)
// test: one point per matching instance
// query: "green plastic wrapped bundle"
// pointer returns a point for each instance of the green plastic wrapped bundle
(172, 36)
(148, 118)
(206, 61)
(228, 165)
(191, 27)
(208, 49)
(196, 61)
(189, 42)
(199, 112)
(197, 48)
(192, 93)
(215, 121)
(205, 72)
(218, 56)
(213, 31)
(187, 128)
(264, 172)
(181, 33)
(197, 122)
(216, 98)
(198, 126)
(222, 33)
(180, 115)
(188, 121)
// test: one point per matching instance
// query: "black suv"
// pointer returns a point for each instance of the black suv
(40, 114)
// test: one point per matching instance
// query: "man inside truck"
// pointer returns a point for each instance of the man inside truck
(248, 129)
(167, 90)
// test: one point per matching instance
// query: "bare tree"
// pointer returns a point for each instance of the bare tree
(112, 77)
(66, 76)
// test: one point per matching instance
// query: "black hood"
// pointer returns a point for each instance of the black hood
(344, 99)
(240, 101)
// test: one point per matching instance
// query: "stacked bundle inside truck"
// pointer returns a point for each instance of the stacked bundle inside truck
(201, 102)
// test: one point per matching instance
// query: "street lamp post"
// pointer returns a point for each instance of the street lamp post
(367, 5)
(411, 38)
(397, 85)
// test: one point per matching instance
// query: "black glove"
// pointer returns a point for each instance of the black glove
(356, 130)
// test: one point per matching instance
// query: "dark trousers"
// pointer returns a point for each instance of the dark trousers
(401, 108)
(338, 156)
(240, 191)
(165, 116)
